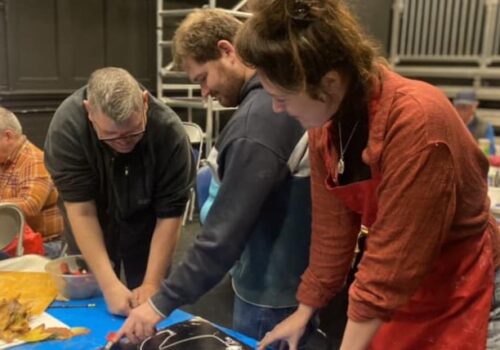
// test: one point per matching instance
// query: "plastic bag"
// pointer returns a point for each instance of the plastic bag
(32, 242)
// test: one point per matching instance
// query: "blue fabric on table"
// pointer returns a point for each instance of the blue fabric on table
(100, 323)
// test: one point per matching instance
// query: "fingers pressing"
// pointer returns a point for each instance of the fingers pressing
(268, 339)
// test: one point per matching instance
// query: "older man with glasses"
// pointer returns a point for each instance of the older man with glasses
(122, 164)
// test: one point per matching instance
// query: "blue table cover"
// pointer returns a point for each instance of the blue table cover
(100, 323)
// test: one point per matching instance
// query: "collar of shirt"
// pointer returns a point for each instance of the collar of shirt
(14, 155)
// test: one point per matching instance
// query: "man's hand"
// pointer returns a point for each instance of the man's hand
(142, 293)
(89, 237)
(140, 324)
(118, 299)
(289, 330)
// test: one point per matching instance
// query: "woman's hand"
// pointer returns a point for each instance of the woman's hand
(290, 330)
(358, 335)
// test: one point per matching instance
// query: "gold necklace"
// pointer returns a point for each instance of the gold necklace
(340, 163)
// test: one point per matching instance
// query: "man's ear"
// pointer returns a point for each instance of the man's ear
(10, 134)
(225, 47)
(88, 108)
(145, 99)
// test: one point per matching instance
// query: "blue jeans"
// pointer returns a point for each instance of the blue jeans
(494, 324)
(255, 321)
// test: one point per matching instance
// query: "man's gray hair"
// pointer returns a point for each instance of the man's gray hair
(114, 92)
(8, 120)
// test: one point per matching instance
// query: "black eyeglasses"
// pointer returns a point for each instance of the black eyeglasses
(132, 136)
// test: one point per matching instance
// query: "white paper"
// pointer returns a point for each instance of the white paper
(49, 321)
(25, 263)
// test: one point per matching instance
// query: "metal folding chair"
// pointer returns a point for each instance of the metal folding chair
(196, 138)
(11, 225)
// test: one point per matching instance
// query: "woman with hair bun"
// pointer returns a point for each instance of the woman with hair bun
(391, 155)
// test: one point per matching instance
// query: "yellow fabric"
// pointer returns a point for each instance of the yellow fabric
(36, 290)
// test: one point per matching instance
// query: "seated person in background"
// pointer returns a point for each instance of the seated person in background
(260, 218)
(24, 181)
(122, 163)
(466, 104)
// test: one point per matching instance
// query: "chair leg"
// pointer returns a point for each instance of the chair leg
(186, 210)
(64, 249)
(191, 209)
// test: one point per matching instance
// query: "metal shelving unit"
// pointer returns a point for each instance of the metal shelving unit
(457, 41)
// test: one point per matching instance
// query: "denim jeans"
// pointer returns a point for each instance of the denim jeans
(255, 321)
(494, 324)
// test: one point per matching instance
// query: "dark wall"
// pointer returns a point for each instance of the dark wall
(51, 46)
(375, 16)
(48, 48)
(35, 125)
(3, 51)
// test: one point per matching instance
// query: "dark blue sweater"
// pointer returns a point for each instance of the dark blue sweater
(261, 214)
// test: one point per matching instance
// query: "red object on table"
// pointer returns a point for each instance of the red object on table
(32, 243)
(494, 160)
(111, 338)
(65, 269)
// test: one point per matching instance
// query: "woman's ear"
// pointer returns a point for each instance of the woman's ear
(331, 82)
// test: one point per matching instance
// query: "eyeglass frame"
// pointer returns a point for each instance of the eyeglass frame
(124, 137)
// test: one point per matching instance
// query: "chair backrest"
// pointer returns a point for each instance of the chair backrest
(196, 138)
(203, 184)
(11, 225)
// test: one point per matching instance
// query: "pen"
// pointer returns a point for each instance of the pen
(111, 338)
(72, 306)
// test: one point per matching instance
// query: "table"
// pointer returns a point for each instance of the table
(100, 323)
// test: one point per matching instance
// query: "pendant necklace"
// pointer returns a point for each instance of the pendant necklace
(340, 163)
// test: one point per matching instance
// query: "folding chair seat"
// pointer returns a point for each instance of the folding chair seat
(196, 138)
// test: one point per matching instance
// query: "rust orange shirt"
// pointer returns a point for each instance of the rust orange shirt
(25, 182)
(433, 190)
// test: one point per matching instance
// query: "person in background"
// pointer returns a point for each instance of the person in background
(466, 104)
(260, 217)
(25, 182)
(391, 155)
(122, 163)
